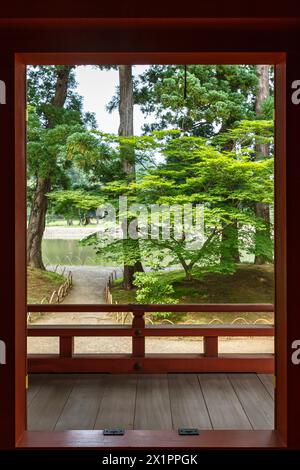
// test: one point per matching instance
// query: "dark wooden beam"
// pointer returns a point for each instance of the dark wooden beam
(151, 363)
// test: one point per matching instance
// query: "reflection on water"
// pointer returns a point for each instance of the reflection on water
(68, 252)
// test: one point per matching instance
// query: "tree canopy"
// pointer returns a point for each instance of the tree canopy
(205, 150)
(181, 170)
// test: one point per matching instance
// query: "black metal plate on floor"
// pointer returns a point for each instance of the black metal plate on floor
(188, 432)
(114, 432)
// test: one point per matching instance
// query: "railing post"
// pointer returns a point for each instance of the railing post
(138, 338)
(66, 346)
(210, 344)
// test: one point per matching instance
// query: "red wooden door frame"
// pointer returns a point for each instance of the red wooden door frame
(144, 439)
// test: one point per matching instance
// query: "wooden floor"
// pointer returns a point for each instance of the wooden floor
(97, 401)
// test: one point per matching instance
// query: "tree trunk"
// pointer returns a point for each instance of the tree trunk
(262, 210)
(230, 244)
(126, 116)
(36, 224)
(128, 277)
(86, 220)
(127, 153)
(188, 275)
(37, 218)
(263, 91)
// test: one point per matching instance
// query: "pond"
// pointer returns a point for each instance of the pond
(69, 252)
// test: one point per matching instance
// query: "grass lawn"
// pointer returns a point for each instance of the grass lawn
(41, 284)
(249, 284)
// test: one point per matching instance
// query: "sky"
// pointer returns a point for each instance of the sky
(97, 88)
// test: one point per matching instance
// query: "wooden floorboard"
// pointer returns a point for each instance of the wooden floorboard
(47, 405)
(149, 402)
(81, 408)
(35, 382)
(255, 400)
(224, 407)
(152, 410)
(118, 403)
(188, 407)
(268, 382)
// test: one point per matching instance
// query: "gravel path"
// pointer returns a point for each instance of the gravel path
(89, 283)
(153, 345)
(88, 288)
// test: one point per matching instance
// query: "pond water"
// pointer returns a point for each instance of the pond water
(68, 252)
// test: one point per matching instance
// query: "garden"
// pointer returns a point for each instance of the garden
(180, 199)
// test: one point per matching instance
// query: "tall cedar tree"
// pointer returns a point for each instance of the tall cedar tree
(216, 96)
(127, 154)
(262, 210)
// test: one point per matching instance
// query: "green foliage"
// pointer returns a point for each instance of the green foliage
(41, 90)
(248, 284)
(245, 135)
(49, 127)
(96, 157)
(217, 96)
(211, 158)
(194, 170)
(74, 203)
(46, 146)
(153, 289)
(267, 111)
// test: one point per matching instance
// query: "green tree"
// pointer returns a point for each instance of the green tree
(48, 100)
(74, 203)
(202, 100)
(216, 96)
(152, 289)
(192, 171)
(55, 113)
(124, 101)
(262, 105)
(127, 152)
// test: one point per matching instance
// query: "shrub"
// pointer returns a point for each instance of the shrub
(152, 289)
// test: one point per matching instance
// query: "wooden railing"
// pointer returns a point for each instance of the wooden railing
(138, 361)
(107, 295)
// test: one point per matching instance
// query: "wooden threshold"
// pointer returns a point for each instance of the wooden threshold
(151, 440)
